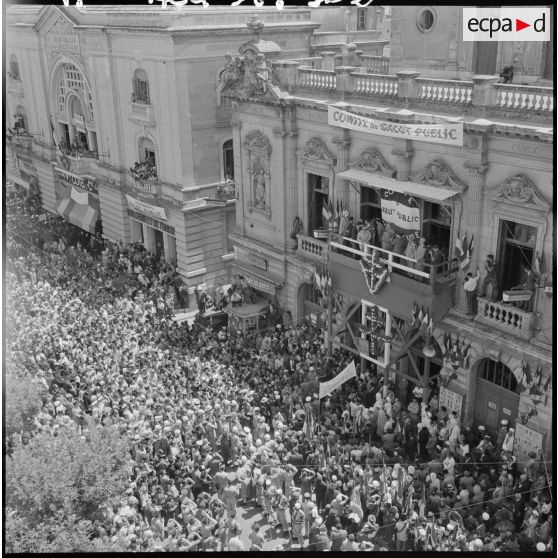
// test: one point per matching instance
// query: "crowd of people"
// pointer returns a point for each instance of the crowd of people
(218, 425)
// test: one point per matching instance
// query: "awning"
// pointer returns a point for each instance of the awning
(83, 216)
(20, 182)
(427, 192)
(257, 278)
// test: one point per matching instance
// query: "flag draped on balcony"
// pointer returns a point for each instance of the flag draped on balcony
(375, 272)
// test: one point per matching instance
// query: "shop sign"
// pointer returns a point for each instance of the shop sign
(451, 400)
(25, 164)
(78, 119)
(64, 43)
(85, 182)
(257, 261)
(146, 208)
(526, 440)
(151, 222)
(448, 133)
(258, 284)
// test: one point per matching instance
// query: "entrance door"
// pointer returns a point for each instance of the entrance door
(66, 134)
(485, 63)
(497, 395)
(159, 244)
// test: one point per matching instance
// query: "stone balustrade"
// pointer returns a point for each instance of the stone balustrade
(323, 80)
(375, 64)
(142, 113)
(481, 95)
(448, 91)
(311, 247)
(375, 85)
(506, 318)
(524, 98)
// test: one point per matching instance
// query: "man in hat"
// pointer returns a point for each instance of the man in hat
(298, 524)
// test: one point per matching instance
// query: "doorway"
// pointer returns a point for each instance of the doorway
(485, 61)
(318, 190)
(497, 395)
(66, 134)
(516, 248)
(159, 244)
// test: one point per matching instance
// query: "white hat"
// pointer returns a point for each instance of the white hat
(541, 547)
(485, 516)
(504, 422)
(297, 506)
(308, 398)
(478, 543)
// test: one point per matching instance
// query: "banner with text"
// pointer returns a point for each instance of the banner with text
(146, 208)
(327, 387)
(400, 210)
(449, 133)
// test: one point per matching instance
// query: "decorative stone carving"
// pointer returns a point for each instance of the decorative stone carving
(438, 173)
(257, 141)
(372, 160)
(258, 177)
(520, 190)
(316, 150)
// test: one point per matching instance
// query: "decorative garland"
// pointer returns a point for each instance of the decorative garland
(374, 330)
(375, 273)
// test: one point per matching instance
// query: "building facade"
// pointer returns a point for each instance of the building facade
(324, 144)
(114, 116)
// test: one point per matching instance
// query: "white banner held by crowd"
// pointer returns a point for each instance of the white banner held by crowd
(327, 387)
(449, 133)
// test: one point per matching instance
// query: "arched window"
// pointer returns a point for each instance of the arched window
(140, 84)
(497, 373)
(228, 160)
(14, 67)
(20, 118)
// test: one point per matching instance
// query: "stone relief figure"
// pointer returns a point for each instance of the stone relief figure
(439, 174)
(259, 188)
(520, 190)
(263, 70)
(372, 159)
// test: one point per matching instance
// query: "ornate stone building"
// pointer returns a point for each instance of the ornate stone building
(465, 165)
(127, 93)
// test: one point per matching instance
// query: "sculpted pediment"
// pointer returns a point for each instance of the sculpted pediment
(438, 173)
(519, 190)
(371, 160)
(316, 150)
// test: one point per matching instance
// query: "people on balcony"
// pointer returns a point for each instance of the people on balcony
(528, 283)
(470, 287)
(75, 149)
(143, 170)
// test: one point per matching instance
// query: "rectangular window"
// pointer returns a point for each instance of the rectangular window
(228, 160)
(516, 248)
(362, 19)
(370, 205)
(312, 294)
(14, 69)
(318, 190)
(436, 226)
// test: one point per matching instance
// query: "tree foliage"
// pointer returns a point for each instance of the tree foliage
(67, 474)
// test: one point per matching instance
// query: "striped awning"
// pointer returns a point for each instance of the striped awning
(82, 215)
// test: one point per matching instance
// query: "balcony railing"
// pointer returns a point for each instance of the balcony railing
(480, 94)
(375, 64)
(524, 98)
(448, 91)
(374, 85)
(316, 79)
(311, 247)
(506, 318)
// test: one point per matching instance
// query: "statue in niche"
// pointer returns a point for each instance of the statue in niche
(259, 188)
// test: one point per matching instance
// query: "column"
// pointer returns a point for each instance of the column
(239, 166)
(403, 161)
(341, 187)
(472, 224)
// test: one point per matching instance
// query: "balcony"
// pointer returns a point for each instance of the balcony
(312, 248)
(430, 286)
(506, 318)
(142, 113)
(481, 95)
(20, 137)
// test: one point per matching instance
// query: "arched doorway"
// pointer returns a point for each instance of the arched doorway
(497, 395)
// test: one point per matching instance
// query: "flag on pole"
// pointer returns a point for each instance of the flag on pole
(356, 506)
(459, 247)
(327, 387)
(470, 247)
(308, 426)
(327, 212)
